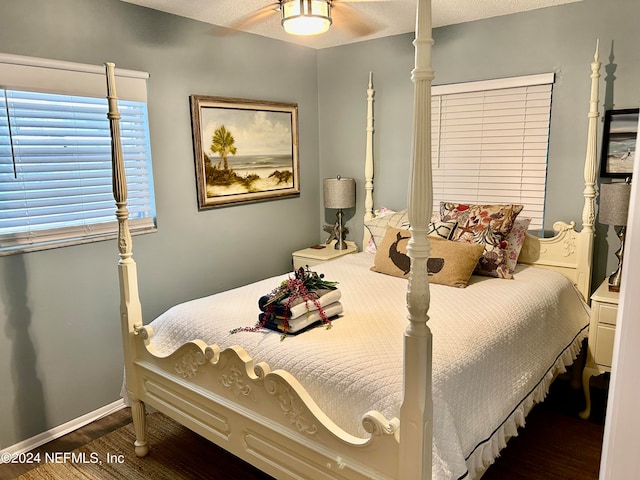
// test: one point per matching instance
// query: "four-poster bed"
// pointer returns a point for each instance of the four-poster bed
(308, 420)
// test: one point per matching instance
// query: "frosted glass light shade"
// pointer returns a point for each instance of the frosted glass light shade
(306, 17)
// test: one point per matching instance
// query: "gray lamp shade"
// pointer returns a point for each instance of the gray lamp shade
(339, 192)
(614, 203)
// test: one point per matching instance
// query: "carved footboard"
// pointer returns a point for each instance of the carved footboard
(265, 417)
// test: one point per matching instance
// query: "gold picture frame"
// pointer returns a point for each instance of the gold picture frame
(244, 150)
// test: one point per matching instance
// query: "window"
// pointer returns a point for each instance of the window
(490, 142)
(55, 154)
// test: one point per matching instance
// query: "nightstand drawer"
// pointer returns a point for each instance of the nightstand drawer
(607, 313)
(604, 345)
(305, 261)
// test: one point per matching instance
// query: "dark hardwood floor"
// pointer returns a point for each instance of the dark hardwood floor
(71, 441)
(556, 443)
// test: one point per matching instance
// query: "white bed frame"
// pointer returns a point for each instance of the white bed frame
(266, 417)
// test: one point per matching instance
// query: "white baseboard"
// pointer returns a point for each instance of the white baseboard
(57, 432)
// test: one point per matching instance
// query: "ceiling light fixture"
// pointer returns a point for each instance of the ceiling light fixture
(306, 17)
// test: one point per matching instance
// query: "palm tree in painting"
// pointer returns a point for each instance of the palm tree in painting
(222, 143)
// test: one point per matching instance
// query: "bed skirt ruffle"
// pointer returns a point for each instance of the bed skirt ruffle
(485, 454)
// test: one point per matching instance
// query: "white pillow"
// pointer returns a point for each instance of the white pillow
(378, 226)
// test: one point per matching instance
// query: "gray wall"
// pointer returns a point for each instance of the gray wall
(559, 39)
(60, 353)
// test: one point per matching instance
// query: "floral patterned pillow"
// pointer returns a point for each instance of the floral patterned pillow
(515, 240)
(488, 225)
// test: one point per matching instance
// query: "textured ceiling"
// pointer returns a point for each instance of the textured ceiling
(353, 20)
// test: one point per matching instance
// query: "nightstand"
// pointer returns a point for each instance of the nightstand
(602, 329)
(313, 256)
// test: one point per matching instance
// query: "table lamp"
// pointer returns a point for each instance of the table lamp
(614, 207)
(338, 193)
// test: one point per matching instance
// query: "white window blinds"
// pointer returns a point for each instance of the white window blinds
(55, 157)
(490, 142)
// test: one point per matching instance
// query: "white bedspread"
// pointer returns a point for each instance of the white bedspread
(496, 345)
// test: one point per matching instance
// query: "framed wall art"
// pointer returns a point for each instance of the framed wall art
(244, 150)
(619, 143)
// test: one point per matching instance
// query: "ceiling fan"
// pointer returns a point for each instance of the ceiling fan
(312, 17)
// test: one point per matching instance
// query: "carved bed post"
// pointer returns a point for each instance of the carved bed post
(416, 413)
(585, 245)
(130, 309)
(368, 165)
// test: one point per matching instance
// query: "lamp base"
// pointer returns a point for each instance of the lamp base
(341, 245)
(338, 232)
(615, 277)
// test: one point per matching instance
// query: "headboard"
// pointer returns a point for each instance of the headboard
(568, 251)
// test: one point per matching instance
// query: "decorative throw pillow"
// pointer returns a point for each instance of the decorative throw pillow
(442, 230)
(487, 225)
(450, 263)
(400, 219)
(377, 226)
(515, 240)
(371, 246)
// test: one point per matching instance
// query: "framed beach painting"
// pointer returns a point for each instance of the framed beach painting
(619, 143)
(245, 150)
